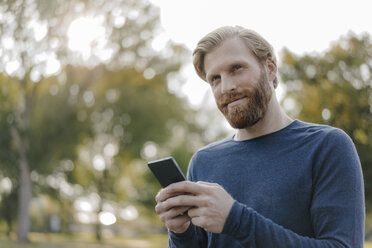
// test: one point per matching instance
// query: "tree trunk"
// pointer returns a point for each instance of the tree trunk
(98, 226)
(101, 182)
(23, 218)
(98, 231)
(9, 229)
(23, 221)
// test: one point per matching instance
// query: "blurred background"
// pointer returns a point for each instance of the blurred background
(92, 90)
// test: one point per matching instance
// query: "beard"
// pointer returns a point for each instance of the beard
(254, 107)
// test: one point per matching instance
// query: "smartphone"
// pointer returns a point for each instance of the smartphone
(167, 171)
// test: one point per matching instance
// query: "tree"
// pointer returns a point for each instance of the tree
(8, 156)
(36, 48)
(335, 88)
(130, 112)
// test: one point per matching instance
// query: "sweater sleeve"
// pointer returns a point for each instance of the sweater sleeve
(337, 208)
(193, 237)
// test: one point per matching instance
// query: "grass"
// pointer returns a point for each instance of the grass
(41, 240)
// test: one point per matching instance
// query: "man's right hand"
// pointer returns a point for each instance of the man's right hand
(175, 218)
(207, 204)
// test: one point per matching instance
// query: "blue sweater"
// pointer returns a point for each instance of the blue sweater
(300, 187)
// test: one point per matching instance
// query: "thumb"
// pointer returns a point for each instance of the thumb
(207, 183)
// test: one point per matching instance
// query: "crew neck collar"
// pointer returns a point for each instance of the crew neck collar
(289, 126)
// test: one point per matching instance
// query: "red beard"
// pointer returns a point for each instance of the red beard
(247, 114)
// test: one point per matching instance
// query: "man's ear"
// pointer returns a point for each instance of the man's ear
(272, 71)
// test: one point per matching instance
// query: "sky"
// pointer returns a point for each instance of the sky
(301, 26)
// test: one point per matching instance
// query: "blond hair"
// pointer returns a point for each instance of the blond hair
(256, 43)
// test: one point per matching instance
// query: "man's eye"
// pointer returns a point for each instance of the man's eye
(214, 78)
(236, 67)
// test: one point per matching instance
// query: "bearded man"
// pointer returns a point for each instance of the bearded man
(277, 182)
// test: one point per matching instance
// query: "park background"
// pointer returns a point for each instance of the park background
(92, 90)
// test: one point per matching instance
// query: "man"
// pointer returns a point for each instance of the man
(277, 182)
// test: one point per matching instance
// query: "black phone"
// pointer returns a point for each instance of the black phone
(166, 170)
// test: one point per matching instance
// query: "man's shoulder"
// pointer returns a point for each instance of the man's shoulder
(320, 132)
(313, 128)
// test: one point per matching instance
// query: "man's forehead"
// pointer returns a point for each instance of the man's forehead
(232, 50)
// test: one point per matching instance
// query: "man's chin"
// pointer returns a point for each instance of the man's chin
(242, 123)
(239, 117)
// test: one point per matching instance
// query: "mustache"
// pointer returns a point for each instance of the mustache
(230, 97)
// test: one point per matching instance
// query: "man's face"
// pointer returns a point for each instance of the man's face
(239, 83)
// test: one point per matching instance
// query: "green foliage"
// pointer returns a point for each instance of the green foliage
(55, 128)
(7, 211)
(129, 112)
(335, 88)
(8, 99)
(143, 109)
(102, 104)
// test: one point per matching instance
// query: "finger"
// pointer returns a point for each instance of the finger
(178, 211)
(157, 196)
(173, 213)
(179, 224)
(200, 221)
(194, 212)
(207, 183)
(182, 201)
(175, 202)
(174, 217)
(178, 220)
(160, 195)
(180, 187)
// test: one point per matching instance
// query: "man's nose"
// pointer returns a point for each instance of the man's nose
(227, 84)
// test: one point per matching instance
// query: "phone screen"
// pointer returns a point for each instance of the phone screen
(166, 171)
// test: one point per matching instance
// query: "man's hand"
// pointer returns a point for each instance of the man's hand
(208, 206)
(174, 217)
(213, 205)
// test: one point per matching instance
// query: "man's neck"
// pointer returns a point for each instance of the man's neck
(274, 120)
